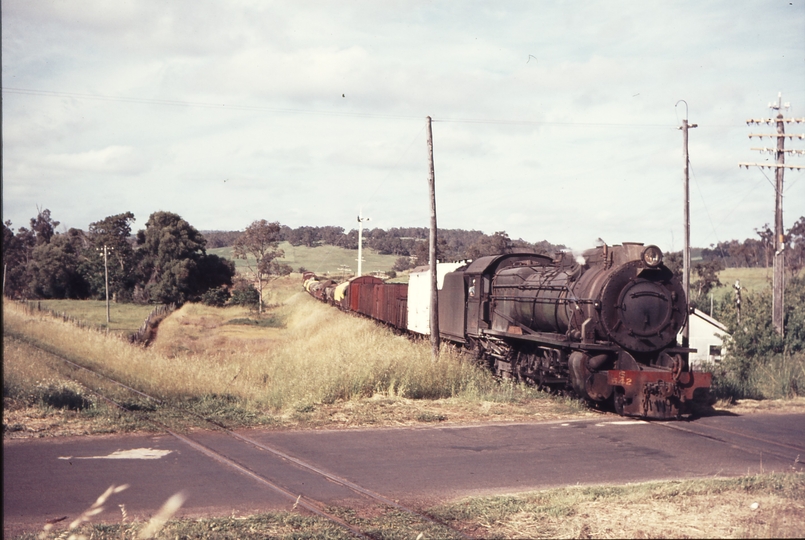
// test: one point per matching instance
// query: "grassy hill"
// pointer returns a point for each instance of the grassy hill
(321, 259)
(752, 280)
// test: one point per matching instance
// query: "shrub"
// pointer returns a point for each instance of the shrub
(245, 296)
(402, 264)
(216, 297)
(760, 362)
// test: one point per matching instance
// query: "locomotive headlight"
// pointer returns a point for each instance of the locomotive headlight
(652, 256)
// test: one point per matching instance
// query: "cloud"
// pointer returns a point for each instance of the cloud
(579, 141)
(118, 160)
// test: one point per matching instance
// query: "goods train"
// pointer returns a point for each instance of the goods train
(603, 327)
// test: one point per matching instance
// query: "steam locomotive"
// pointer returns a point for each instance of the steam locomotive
(603, 326)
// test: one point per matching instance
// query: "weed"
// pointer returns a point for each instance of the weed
(62, 395)
(762, 505)
(265, 322)
(430, 417)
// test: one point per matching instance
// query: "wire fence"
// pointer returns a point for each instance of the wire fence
(143, 336)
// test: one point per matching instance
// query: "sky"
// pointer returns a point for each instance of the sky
(552, 121)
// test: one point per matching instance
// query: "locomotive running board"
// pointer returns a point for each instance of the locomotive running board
(550, 339)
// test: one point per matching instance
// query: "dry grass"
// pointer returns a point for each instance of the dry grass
(322, 357)
(767, 506)
(144, 369)
(764, 406)
(39, 400)
(762, 506)
(319, 368)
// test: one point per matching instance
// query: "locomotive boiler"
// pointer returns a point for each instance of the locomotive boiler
(603, 326)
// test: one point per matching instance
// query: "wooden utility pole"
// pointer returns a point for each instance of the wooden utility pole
(686, 248)
(106, 281)
(434, 296)
(778, 284)
(778, 281)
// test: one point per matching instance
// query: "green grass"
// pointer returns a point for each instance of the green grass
(752, 279)
(267, 322)
(125, 318)
(321, 259)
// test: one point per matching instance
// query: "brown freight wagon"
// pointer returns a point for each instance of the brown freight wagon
(360, 294)
(391, 304)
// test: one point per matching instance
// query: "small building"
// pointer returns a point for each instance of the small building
(707, 337)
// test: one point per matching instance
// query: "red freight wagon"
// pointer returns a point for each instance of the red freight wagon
(360, 293)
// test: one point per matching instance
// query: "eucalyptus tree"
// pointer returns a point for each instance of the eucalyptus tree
(259, 247)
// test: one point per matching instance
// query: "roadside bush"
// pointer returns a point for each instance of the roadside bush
(760, 363)
(56, 394)
(62, 395)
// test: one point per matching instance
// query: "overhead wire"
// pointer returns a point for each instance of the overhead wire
(262, 108)
(706, 209)
(388, 175)
(207, 105)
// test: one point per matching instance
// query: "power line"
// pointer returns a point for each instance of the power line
(394, 169)
(207, 105)
(542, 123)
(260, 108)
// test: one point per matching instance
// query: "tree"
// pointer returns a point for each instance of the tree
(114, 233)
(707, 280)
(173, 263)
(260, 241)
(43, 226)
(303, 236)
(795, 240)
(54, 267)
(17, 250)
(402, 264)
(496, 244)
(766, 244)
(422, 251)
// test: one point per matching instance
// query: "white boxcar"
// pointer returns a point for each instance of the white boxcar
(419, 294)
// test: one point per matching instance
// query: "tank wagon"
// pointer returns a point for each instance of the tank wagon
(604, 326)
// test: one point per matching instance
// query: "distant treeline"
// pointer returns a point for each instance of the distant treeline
(165, 262)
(409, 242)
(759, 252)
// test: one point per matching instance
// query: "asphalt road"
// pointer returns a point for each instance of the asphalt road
(46, 479)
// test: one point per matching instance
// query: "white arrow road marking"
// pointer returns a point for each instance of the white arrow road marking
(134, 453)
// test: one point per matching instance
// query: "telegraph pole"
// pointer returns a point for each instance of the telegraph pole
(778, 284)
(434, 297)
(361, 219)
(686, 248)
(106, 281)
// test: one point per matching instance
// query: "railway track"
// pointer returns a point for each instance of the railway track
(300, 500)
